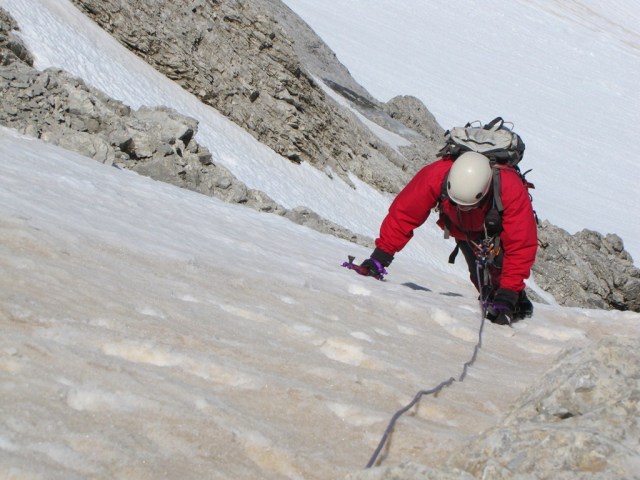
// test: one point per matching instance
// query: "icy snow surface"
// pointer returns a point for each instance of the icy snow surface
(151, 332)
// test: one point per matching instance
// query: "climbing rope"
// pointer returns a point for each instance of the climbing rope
(483, 278)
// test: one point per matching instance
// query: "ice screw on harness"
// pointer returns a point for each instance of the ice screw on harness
(486, 252)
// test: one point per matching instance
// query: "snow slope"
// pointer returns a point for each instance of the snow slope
(150, 332)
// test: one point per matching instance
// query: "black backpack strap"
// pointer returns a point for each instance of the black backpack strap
(497, 194)
(443, 196)
(443, 189)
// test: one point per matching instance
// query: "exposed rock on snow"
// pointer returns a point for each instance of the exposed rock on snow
(237, 57)
(587, 269)
(579, 420)
(156, 142)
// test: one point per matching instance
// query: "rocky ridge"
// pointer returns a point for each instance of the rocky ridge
(56, 107)
(586, 269)
(237, 57)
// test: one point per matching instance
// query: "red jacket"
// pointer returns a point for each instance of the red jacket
(412, 206)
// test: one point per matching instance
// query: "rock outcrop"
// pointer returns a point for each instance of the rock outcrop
(586, 269)
(156, 142)
(58, 108)
(236, 57)
(579, 420)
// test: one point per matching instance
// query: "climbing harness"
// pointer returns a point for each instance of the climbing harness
(486, 252)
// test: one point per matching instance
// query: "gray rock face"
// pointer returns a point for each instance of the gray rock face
(60, 109)
(586, 269)
(159, 143)
(412, 113)
(236, 57)
(580, 420)
(11, 47)
(400, 115)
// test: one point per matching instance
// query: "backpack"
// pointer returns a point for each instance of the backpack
(494, 140)
(503, 147)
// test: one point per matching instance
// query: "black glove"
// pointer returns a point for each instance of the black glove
(377, 262)
(500, 310)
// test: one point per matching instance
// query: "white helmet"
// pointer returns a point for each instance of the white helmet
(469, 179)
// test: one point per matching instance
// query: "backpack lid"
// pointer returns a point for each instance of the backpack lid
(494, 140)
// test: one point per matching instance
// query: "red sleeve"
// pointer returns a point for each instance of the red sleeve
(520, 235)
(411, 207)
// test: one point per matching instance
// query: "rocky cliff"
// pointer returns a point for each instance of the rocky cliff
(157, 142)
(586, 269)
(241, 58)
